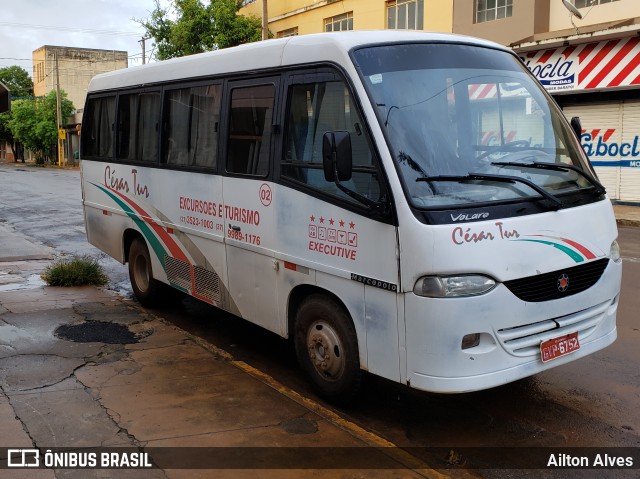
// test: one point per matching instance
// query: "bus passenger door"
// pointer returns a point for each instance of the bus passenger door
(351, 244)
(248, 199)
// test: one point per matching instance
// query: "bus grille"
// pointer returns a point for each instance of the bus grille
(545, 287)
(525, 340)
(178, 273)
(205, 284)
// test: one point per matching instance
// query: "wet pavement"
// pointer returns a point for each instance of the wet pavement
(86, 367)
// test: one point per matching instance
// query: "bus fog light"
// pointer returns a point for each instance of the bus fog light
(453, 286)
(614, 252)
(470, 341)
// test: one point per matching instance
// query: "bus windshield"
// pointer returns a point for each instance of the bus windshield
(470, 125)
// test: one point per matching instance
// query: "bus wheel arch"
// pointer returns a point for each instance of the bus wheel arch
(326, 344)
(145, 287)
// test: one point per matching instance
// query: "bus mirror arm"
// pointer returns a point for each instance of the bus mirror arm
(577, 126)
(375, 205)
(337, 157)
(337, 162)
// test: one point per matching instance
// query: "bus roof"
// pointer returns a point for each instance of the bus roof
(296, 50)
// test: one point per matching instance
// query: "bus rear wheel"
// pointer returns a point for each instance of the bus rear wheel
(327, 349)
(145, 287)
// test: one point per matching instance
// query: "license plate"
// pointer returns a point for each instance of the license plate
(558, 347)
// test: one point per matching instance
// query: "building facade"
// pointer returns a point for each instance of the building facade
(301, 17)
(74, 67)
(589, 60)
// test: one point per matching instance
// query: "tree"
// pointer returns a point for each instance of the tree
(199, 28)
(17, 80)
(34, 123)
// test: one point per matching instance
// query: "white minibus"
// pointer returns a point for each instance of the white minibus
(409, 204)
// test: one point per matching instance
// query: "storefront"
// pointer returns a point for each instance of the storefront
(598, 81)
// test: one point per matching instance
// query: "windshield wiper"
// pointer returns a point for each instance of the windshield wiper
(599, 189)
(556, 204)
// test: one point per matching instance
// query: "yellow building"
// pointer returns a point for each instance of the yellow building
(300, 17)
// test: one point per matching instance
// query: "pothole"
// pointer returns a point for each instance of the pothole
(96, 332)
(299, 425)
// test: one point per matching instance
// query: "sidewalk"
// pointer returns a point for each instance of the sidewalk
(627, 215)
(83, 367)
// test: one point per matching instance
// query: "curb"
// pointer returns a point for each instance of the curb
(628, 223)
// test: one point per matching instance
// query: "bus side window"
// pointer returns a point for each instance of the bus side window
(138, 117)
(251, 117)
(314, 109)
(190, 136)
(98, 138)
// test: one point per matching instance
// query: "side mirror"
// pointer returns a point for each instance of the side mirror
(337, 158)
(577, 126)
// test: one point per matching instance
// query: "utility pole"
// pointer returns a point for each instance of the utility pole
(143, 42)
(61, 132)
(265, 21)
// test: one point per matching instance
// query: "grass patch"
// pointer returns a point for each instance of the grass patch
(76, 271)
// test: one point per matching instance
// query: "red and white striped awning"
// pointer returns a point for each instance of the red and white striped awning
(590, 66)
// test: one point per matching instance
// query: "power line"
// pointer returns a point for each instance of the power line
(69, 29)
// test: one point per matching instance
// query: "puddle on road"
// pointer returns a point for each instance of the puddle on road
(33, 281)
(96, 332)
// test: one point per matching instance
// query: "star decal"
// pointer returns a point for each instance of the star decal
(331, 221)
(321, 219)
(352, 225)
(341, 223)
(312, 218)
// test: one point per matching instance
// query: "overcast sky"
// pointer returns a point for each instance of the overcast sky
(26, 25)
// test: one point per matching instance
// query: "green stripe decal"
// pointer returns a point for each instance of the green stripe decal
(151, 238)
(578, 258)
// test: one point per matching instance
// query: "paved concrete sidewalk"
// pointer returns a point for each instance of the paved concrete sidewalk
(84, 367)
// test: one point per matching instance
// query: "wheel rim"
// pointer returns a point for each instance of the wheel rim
(141, 273)
(326, 351)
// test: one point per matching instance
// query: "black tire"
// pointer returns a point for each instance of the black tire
(327, 349)
(145, 287)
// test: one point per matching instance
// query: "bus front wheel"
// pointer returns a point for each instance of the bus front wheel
(144, 286)
(327, 349)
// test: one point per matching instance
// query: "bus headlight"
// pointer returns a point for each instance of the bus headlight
(453, 286)
(614, 252)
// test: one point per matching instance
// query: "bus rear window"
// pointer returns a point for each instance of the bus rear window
(97, 135)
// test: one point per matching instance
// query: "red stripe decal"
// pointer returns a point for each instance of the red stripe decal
(568, 51)
(484, 91)
(586, 51)
(608, 134)
(624, 51)
(174, 249)
(545, 56)
(634, 61)
(583, 249)
(604, 51)
(595, 61)
(587, 253)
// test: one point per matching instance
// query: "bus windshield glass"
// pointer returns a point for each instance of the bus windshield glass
(469, 125)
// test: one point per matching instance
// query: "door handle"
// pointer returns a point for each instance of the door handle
(235, 228)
